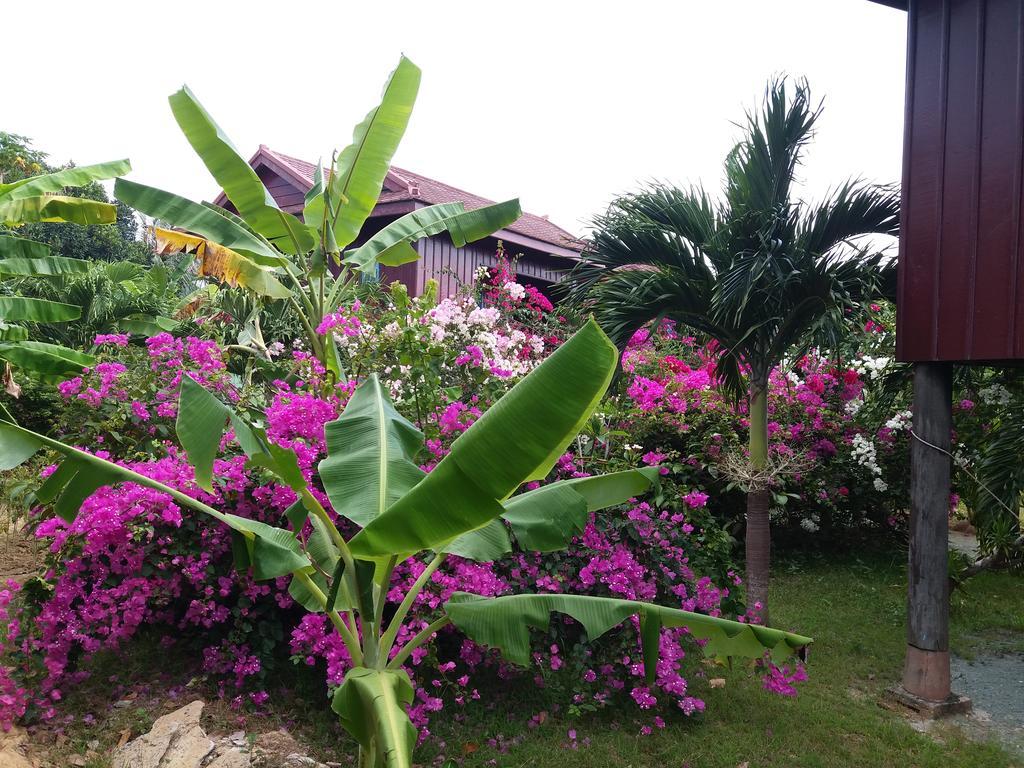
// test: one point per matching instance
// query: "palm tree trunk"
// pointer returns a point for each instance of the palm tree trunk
(759, 542)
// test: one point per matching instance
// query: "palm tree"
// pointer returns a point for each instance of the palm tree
(762, 272)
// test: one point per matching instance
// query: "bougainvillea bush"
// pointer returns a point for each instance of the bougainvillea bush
(131, 558)
(838, 461)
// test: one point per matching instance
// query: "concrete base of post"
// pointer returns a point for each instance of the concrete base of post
(954, 704)
(926, 686)
(926, 674)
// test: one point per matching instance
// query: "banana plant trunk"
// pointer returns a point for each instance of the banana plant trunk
(758, 539)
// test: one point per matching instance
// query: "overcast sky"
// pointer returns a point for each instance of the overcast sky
(561, 103)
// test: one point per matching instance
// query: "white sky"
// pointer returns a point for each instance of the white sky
(561, 103)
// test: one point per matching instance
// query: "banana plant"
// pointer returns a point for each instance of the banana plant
(305, 260)
(467, 506)
(35, 199)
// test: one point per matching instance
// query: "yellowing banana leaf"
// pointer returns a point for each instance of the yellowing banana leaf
(57, 181)
(392, 246)
(236, 177)
(372, 706)
(216, 225)
(363, 164)
(505, 622)
(517, 440)
(221, 263)
(55, 208)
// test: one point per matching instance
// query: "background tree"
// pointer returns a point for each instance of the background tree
(19, 160)
(763, 273)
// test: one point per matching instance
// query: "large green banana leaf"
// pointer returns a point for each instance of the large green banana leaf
(371, 455)
(371, 704)
(146, 325)
(44, 358)
(271, 551)
(55, 208)
(46, 266)
(363, 164)
(517, 440)
(313, 202)
(37, 310)
(505, 622)
(200, 425)
(546, 519)
(236, 177)
(47, 183)
(392, 246)
(204, 220)
(22, 248)
(12, 332)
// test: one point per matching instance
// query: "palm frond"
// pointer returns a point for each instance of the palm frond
(855, 210)
(761, 168)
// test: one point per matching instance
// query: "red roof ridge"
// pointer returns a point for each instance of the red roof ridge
(420, 187)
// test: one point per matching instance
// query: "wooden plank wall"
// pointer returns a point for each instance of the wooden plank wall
(452, 266)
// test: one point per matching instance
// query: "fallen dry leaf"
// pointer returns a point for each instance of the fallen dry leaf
(126, 734)
(717, 682)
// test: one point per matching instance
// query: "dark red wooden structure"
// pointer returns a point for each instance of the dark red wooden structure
(961, 272)
(544, 250)
(961, 292)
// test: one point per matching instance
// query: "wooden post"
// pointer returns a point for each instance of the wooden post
(926, 673)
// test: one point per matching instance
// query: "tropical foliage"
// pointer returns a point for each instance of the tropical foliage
(35, 199)
(306, 261)
(761, 272)
(464, 506)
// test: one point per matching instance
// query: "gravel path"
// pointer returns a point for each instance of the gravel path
(995, 684)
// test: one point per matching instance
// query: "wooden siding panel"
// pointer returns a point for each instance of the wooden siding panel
(958, 223)
(961, 268)
(999, 198)
(439, 258)
(919, 247)
(452, 266)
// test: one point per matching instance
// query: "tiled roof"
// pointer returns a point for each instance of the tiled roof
(404, 185)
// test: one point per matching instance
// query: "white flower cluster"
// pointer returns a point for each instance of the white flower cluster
(515, 291)
(464, 325)
(867, 456)
(902, 420)
(810, 524)
(995, 394)
(872, 367)
(852, 406)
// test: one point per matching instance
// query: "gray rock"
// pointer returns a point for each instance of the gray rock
(231, 758)
(175, 741)
(12, 746)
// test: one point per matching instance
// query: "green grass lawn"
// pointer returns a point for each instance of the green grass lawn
(855, 612)
(853, 608)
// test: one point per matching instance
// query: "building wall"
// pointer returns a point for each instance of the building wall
(452, 266)
(440, 259)
(961, 292)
